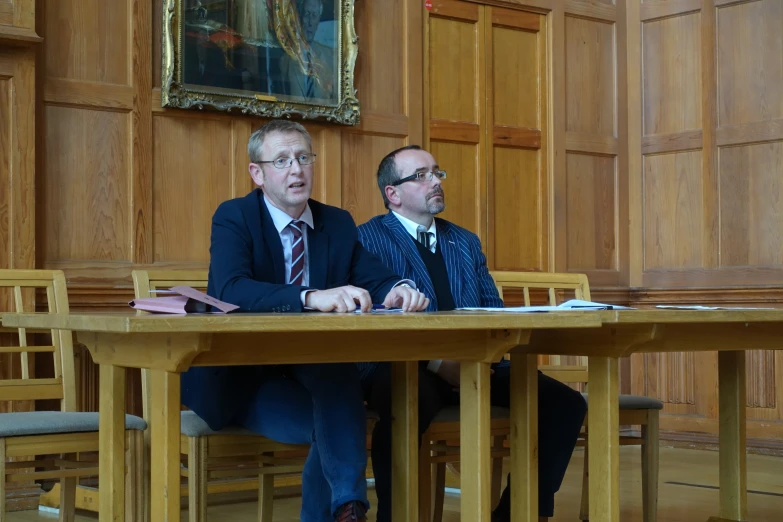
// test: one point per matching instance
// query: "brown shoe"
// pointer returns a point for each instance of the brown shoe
(351, 512)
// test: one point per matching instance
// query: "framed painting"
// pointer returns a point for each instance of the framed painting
(268, 58)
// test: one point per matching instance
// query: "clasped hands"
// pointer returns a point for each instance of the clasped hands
(350, 298)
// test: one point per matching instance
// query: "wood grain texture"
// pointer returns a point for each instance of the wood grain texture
(517, 208)
(517, 126)
(65, 91)
(590, 79)
(592, 212)
(86, 185)
(141, 171)
(380, 53)
(673, 142)
(673, 210)
(671, 53)
(655, 9)
(751, 203)
(452, 70)
(94, 45)
(17, 158)
(191, 171)
(515, 89)
(750, 69)
(604, 10)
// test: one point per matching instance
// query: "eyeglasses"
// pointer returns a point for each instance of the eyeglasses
(421, 176)
(284, 163)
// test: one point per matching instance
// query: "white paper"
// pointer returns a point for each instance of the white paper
(573, 304)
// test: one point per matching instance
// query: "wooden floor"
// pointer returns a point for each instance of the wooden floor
(688, 492)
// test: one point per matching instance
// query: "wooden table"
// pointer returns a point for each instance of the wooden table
(730, 332)
(169, 345)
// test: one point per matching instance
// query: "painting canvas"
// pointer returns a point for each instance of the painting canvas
(264, 57)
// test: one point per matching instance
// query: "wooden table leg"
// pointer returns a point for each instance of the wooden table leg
(475, 441)
(524, 438)
(164, 428)
(733, 467)
(405, 441)
(111, 469)
(604, 439)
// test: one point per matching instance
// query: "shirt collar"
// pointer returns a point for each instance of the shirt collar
(412, 226)
(281, 219)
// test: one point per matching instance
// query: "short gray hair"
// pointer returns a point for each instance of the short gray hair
(256, 141)
(387, 171)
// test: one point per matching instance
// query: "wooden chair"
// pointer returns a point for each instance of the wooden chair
(59, 435)
(223, 454)
(634, 409)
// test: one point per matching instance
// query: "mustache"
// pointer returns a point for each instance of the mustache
(437, 192)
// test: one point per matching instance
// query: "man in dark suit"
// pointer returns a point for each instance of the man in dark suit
(276, 250)
(447, 264)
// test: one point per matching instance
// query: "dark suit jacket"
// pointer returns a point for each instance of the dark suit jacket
(247, 268)
(469, 279)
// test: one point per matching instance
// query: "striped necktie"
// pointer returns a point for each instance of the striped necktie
(424, 237)
(297, 254)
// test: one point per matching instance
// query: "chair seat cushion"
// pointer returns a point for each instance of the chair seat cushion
(191, 425)
(451, 414)
(45, 422)
(636, 402)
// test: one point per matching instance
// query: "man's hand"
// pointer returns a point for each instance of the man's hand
(341, 299)
(407, 298)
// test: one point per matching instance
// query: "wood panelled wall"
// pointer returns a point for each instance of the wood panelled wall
(128, 184)
(640, 142)
(707, 196)
(19, 47)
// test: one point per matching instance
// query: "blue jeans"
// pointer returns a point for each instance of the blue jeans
(320, 405)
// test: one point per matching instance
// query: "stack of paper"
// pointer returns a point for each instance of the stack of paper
(573, 304)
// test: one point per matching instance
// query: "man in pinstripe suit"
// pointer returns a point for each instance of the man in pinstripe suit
(447, 265)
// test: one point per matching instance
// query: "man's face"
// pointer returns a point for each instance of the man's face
(311, 17)
(288, 188)
(418, 198)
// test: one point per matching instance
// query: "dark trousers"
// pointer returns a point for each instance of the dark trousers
(320, 405)
(561, 411)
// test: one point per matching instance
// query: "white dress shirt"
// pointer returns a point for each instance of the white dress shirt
(281, 221)
(412, 228)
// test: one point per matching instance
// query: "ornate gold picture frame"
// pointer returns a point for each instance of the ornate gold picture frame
(267, 58)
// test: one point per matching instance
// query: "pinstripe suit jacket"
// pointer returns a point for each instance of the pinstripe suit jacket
(469, 279)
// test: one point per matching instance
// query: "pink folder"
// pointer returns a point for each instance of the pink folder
(187, 301)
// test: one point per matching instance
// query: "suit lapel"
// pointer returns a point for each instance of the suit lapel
(318, 251)
(411, 254)
(449, 247)
(272, 239)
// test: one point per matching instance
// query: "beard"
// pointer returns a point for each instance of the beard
(435, 206)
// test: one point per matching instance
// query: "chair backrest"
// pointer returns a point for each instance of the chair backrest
(19, 289)
(145, 283)
(569, 369)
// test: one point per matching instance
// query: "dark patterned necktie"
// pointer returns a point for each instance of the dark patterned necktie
(297, 254)
(424, 237)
